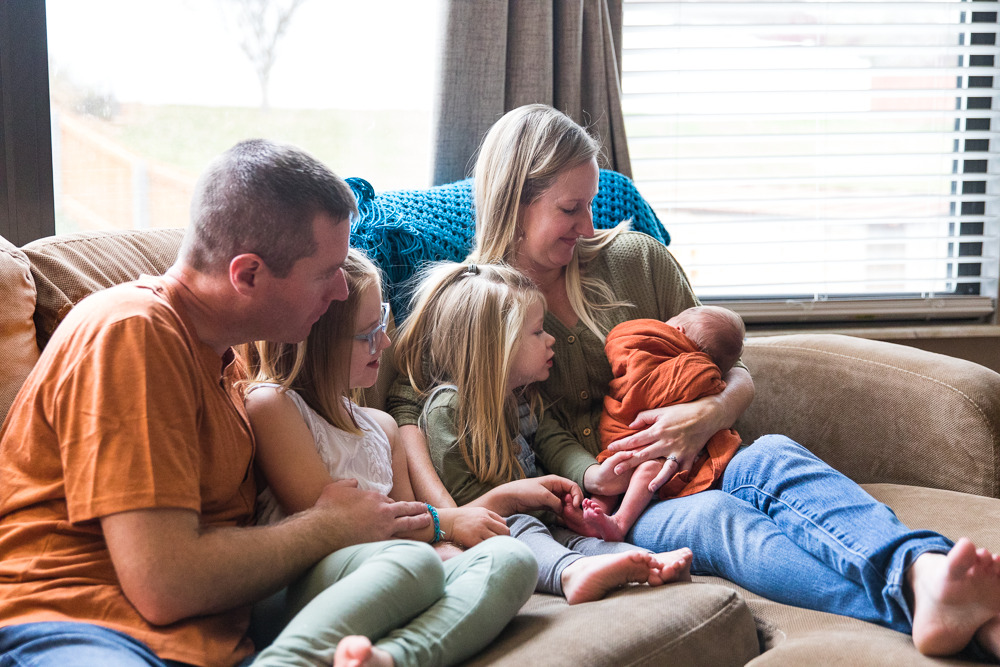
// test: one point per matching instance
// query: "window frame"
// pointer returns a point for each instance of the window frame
(27, 203)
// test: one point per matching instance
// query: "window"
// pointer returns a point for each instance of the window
(143, 95)
(821, 160)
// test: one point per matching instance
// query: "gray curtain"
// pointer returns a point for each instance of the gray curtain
(500, 54)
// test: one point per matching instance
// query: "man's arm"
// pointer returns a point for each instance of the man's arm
(171, 568)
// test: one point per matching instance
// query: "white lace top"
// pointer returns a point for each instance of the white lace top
(366, 457)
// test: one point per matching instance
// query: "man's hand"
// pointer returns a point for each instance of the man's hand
(356, 517)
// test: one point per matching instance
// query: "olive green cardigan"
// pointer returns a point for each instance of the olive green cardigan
(641, 271)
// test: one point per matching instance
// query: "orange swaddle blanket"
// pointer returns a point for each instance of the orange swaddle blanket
(655, 365)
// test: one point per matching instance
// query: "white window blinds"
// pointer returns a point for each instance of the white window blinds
(832, 159)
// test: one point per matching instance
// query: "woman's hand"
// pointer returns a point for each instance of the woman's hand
(608, 478)
(529, 495)
(468, 526)
(678, 433)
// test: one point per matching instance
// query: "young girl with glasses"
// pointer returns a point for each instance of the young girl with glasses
(475, 346)
(397, 594)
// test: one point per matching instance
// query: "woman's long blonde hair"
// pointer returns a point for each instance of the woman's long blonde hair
(319, 368)
(464, 329)
(520, 158)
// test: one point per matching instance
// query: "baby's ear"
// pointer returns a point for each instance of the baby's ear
(679, 327)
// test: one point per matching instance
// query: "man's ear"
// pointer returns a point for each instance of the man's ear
(245, 272)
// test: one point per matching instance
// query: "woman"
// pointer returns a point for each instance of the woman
(784, 525)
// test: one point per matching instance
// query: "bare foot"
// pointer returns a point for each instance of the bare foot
(591, 521)
(672, 566)
(592, 577)
(953, 597)
(357, 651)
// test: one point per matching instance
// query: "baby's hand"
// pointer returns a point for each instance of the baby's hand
(602, 478)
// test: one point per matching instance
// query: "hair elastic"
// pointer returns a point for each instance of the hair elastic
(438, 533)
(473, 270)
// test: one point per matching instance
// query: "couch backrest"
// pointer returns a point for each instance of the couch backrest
(68, 267)
(17, 328)
(42, 281)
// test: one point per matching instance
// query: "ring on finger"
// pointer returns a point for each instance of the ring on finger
(672, 458)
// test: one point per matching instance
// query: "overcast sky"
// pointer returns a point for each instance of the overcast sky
(346, 54)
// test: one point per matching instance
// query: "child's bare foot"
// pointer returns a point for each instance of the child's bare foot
(592, 577)
(672, 566)
(357, 651)
(954, 595)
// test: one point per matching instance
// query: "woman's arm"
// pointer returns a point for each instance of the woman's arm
(683, 430)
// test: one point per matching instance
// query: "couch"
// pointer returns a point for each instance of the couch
(917, 430)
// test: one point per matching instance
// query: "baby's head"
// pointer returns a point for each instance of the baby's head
(718, 332)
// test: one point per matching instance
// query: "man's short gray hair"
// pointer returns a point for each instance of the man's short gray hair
(261, 197)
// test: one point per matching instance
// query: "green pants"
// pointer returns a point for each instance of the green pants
(406, 601)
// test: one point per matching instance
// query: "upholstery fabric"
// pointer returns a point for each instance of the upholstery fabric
(676, 624)
(793, 637)
(68, 267)
(17, 329)
(498, 56)
(878, 412)
(401, 230)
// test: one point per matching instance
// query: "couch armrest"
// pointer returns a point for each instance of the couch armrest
(878, 412)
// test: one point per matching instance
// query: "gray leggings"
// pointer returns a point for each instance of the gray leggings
(556, 547)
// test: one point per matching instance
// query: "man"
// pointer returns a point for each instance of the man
(127, 501)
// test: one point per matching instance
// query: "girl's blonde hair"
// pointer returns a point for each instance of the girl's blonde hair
(319, 368)
(464, 328)
(520, 158)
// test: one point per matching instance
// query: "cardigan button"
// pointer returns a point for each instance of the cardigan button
(571, 340)
(586, 431)
(583, 395)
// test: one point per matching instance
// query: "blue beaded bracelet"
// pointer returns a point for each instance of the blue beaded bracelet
(438, 533)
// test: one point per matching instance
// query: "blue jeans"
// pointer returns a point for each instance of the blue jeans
(789, 527)
(70, 644)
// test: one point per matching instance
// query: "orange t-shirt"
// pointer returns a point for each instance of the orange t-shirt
(126, 409)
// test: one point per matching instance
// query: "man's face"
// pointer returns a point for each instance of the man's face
(300, 298)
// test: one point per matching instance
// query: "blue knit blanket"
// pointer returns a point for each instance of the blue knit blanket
(402, 230)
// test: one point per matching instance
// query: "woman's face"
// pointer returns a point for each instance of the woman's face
(551, 224)
(364, 364)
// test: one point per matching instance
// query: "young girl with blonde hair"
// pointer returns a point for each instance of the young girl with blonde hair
(474, 344)
(397, 594)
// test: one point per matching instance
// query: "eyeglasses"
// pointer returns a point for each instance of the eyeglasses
(373, 336)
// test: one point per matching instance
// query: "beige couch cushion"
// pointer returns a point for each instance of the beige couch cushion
(17, 330)
(792, 637)
(677, 624)
(68, 267)
(871, 410)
